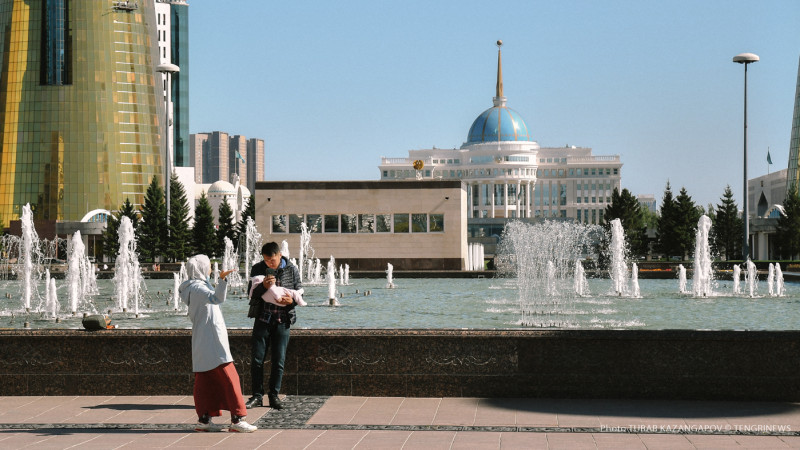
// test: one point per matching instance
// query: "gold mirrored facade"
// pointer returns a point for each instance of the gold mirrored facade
(79, 106)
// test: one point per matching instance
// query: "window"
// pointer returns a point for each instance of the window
(401, 223)
(419, 223)
(294, 223)
(331, 223)
(348, 223)
(280, 223)
(383, 223)
(314, 223)
(436, 223)
(366, 223)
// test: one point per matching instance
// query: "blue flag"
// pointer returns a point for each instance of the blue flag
(769, 158)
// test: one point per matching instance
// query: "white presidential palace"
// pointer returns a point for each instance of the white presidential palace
(508, 175)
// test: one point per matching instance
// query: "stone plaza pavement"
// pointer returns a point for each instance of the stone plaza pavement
(111, 422)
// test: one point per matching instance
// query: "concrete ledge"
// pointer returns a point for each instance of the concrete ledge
(647, 364)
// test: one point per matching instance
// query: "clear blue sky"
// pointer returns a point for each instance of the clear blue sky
(333, 86)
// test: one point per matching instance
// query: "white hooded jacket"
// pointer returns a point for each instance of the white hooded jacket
(210, 346)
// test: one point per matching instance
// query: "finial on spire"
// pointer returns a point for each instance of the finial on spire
(499, 71)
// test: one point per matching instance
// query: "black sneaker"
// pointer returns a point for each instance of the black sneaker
(274, 403)
(254, 402)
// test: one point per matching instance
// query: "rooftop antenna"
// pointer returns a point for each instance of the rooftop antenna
(499, 100)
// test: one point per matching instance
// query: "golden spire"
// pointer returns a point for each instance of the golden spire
(499, 71)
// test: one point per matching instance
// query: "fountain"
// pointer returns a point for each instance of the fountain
(389, 275)
(176, 282)
(635, 293)
(542, 258)
(703, 275)
(681, 279)
(52, 297)
(127, 275)
(81, 278)
(779, 286)
(331, 276)
(252, 251)
(216, 272)
(751, 277)
(737, 274)
(581, 284)
(619, 268)
(771, 280)
(475, 255)
(30, 241)
(230, 261)
(306, 252)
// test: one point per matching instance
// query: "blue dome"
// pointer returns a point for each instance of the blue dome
(498, 124)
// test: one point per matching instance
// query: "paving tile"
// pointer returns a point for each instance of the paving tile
(791, 441)
(339, 439)
(491, 413)
(292, 439)
(522, 441)
(769, 442)
(383, 439)
(456, 411)
(618, 441)
(665, 441)
(712, 441)
(377, 411)
(416, 411)
(476, 439)
(338, 410)
(430, 440)
(570, 441)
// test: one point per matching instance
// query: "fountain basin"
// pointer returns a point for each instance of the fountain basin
(651, 364)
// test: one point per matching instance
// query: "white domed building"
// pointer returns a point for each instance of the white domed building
(508, 175)
(236, 195)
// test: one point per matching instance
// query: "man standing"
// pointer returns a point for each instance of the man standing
(272, 322)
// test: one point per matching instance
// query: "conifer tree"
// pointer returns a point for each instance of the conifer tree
(788, 228)
(727, 232)
(249, 211)
(111, 233)
(666, 238)
(225, 227)
(179, 244)
(203, 233)
(152, 236)
(687, 214)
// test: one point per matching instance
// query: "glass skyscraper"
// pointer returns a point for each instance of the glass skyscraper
(79, 107)
(794, 143)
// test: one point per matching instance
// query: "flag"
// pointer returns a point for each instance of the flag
(239, 155)
(769, 158)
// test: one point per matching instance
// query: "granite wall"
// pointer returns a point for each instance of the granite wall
(670, 364)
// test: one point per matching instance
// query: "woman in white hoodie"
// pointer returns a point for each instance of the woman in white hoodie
(216, 382)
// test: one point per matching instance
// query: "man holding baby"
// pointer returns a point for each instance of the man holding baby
(273, 317)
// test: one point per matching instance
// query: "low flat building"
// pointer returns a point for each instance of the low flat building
(413, 225)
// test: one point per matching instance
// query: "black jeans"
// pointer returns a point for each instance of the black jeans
(275, 336)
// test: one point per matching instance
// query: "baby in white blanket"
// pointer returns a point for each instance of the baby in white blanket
(275, 293)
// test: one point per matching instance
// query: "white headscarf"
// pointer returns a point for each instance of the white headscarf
(198, 267)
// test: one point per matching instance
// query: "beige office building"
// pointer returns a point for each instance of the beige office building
(413, 225)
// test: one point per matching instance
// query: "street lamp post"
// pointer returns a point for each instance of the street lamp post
(167, 70)
(745, 59)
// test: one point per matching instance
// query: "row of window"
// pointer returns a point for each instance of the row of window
(594, 199)
(577, 172)
(359, 223)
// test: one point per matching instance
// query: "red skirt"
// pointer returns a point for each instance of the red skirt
(218, 389)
